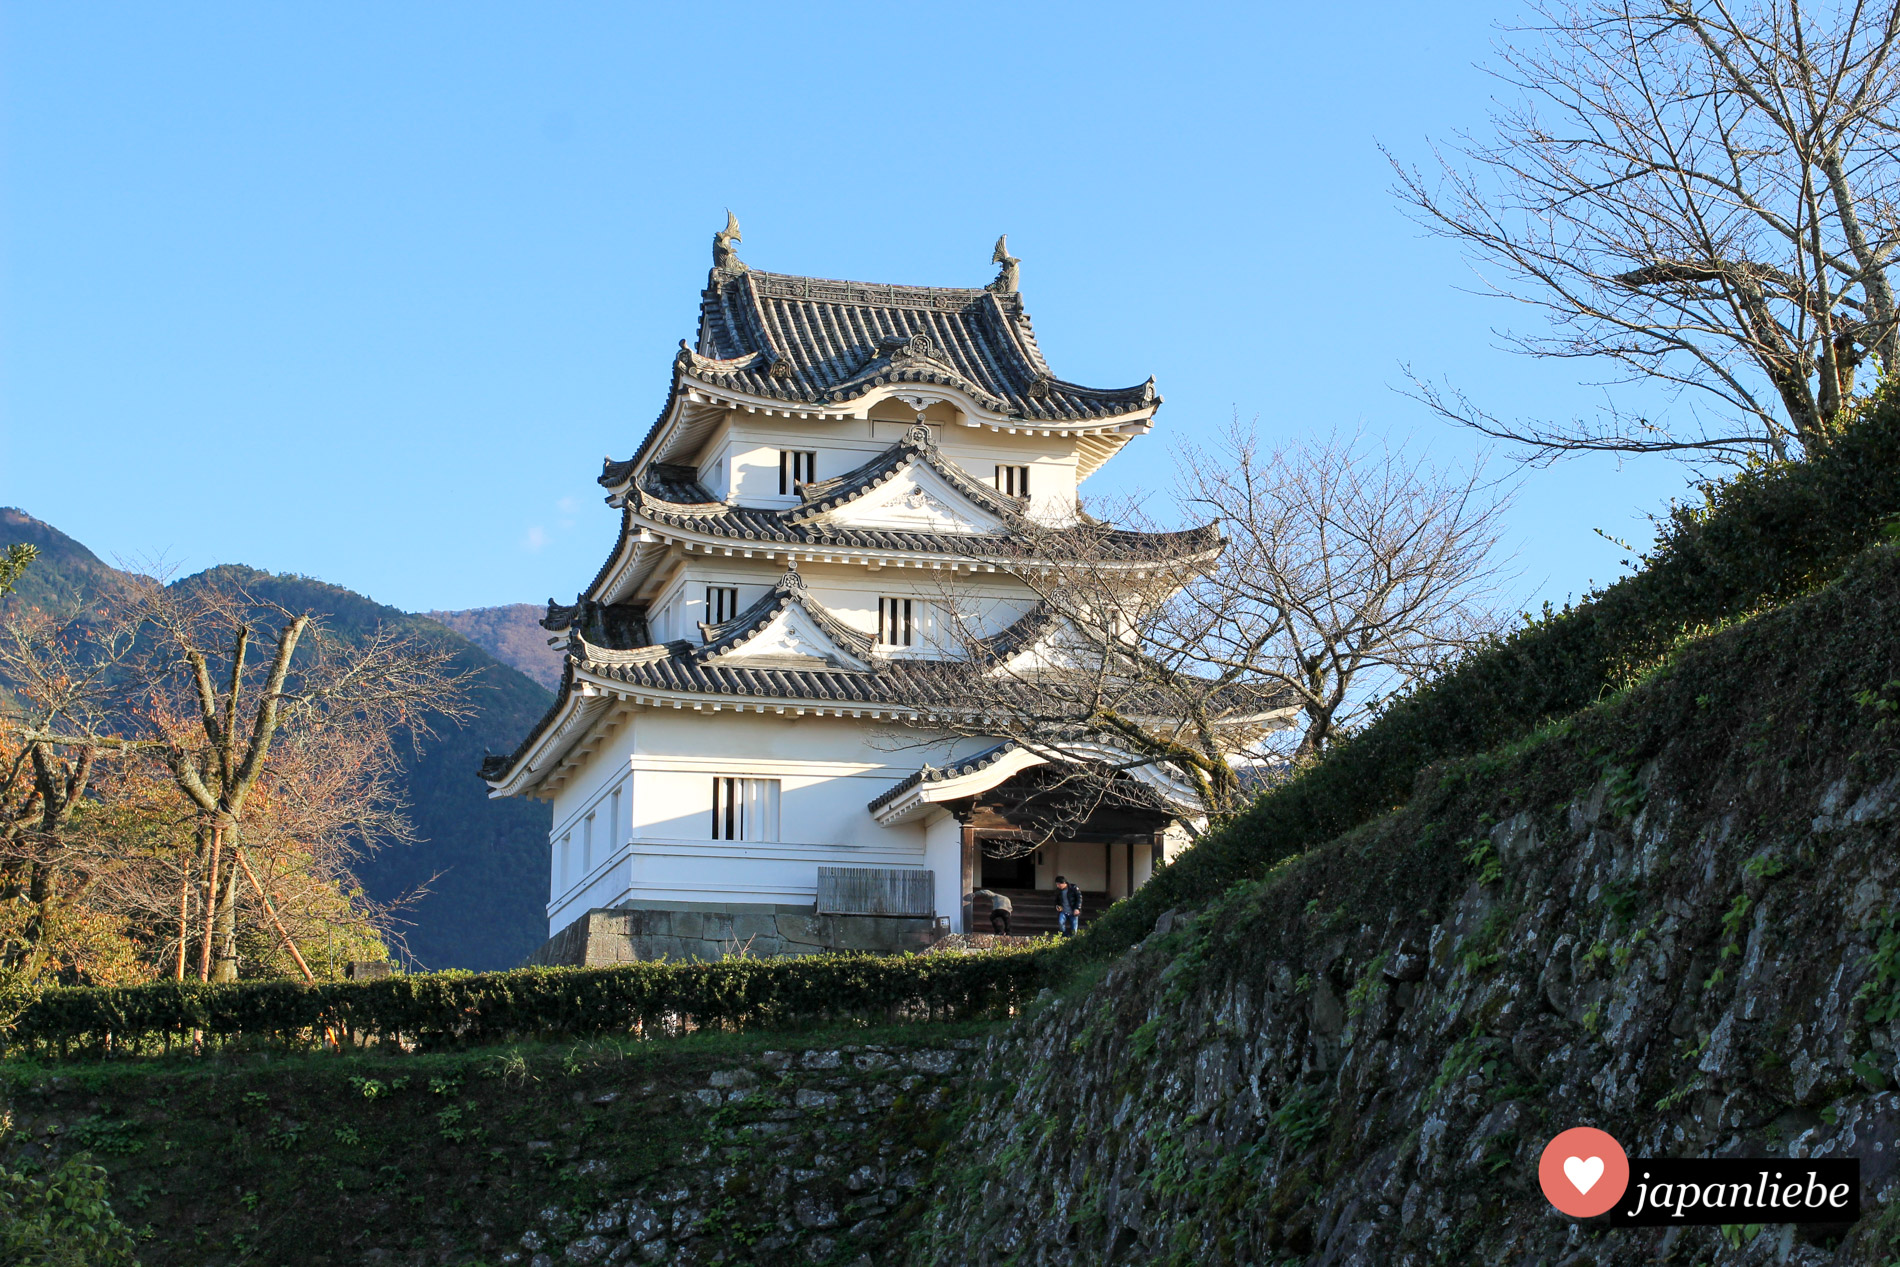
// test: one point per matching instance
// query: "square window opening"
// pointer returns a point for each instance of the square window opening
(896, 622)
(745, 809)
(795, 467)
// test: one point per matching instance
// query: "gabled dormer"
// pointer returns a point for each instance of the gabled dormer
(787, 628)
(910, 487)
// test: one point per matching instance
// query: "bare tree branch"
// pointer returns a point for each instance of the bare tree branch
(1700, 194)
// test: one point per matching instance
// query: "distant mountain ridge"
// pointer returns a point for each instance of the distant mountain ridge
(485, 907)
(511, 634)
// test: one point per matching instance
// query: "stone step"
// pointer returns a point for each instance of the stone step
(1035, 910)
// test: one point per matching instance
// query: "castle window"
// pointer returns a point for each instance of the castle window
(722, 603)
(1012, 480)
(587, 845)
(744, 809)
(795, 467)
(895, 626)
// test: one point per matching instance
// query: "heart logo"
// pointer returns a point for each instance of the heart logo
(1583, 1172)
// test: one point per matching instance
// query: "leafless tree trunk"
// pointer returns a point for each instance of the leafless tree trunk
(1703, 195)
(217, 715)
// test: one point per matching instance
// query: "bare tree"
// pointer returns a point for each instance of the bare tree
(1350, 572)
(1347, 572)
(1702, 193)
(1091, 675)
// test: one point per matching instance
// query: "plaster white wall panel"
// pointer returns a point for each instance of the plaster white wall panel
(828, 769)
(943, 854)
(604, 887)
(1083, 864)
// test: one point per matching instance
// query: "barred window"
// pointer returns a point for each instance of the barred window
(795, 467)
(895, 625)
(722, 603)
(744, 809)
(1012, 480)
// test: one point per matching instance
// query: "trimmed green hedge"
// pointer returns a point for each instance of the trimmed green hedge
(1758, 539)
(458, 1008)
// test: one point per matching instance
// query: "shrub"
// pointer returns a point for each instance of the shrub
(1755, 540)
(445, 1008)
(62, 1220)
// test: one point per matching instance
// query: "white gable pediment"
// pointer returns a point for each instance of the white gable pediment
(916, 499)
(1056, 650)
(790, 635)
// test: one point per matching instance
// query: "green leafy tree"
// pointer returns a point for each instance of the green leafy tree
(13, 563)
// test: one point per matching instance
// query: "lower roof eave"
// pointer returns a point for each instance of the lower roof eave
(564, 726)
(651, 531)
(919, 794)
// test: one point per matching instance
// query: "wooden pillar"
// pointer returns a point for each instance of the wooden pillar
(969, 876)
(1128, 856)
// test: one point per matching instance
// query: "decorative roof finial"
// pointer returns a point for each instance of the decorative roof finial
(1005, 283)
(791, 582)
(725, 259)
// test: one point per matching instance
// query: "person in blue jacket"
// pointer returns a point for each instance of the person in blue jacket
(1068, 906)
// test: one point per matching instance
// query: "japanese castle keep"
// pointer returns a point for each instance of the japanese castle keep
(733, 756)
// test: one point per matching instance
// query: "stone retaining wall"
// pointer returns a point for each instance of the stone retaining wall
(790, 1157)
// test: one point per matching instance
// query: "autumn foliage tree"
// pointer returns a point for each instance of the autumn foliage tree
(251, 758)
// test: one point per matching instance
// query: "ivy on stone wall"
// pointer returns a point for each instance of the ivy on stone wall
(459, 1008)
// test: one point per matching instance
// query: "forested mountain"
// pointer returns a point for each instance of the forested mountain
(511, 634)
(485, 906)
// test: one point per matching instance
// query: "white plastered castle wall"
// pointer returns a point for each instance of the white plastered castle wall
(665, 761)
(741, 461)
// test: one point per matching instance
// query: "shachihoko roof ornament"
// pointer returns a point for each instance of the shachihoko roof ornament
(1010, 276)
(725, 259)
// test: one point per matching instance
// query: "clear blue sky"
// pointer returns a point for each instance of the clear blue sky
(366, 291)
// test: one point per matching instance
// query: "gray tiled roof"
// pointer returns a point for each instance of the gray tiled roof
(938, 774)
(673, 495)
(685, 667)
(819, 341)
(1127, 791)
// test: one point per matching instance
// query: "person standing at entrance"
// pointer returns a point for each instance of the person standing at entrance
(1000, 907)
(1068, 906)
